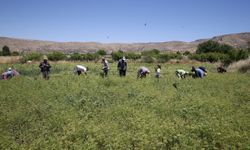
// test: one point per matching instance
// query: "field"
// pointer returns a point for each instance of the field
(90, 112)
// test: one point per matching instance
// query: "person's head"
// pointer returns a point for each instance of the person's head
(87, 68)
(193, 69)
(9, 69)
(123, 58)
(103, 59)
(45, 60)
(159, 66)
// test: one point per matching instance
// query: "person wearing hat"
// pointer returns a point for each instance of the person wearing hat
(142, 72)
(122, 67)
(9, 74)
(45, 68)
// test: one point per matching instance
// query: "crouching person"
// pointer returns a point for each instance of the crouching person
(79, 69)
(142, 72)
(9, 74)
(198, 73)
(180, 73)
(221, 70)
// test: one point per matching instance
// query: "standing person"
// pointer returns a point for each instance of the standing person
(122, 67)
(142, 72)
(105, 67)
(158, 71)
(79, 69)
(45, 68)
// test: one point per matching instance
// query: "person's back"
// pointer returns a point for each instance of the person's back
(199, 73)
(180, 73)
(79, 69)
(221, 70)
(142, 72)
(203, 69)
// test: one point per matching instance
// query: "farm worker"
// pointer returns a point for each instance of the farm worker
(198, 72)
(180, 73)
(221, 69)
(203, 69)
(79, 69)
(105, 67)
(9, 74)
(142, 72)
(122, 66)
(45, 68)
(158, 71)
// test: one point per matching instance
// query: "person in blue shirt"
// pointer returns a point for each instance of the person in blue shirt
(198, 73)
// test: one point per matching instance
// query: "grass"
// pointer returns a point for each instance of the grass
(89, 112)
(242, 66)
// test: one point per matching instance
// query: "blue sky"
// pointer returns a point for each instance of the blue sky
(130, 21)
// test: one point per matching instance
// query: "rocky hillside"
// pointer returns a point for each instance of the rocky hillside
(241, 40)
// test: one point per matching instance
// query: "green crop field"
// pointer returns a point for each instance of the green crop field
(90, 112)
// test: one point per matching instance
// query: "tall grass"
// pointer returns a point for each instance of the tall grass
(9, 59)
(242, 66)
(91, 112)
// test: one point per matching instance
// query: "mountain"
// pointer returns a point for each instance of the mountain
(240, 40)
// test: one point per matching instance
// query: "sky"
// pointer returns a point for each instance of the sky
(123, 21)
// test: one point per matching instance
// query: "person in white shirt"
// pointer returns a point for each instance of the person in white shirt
(158, 71)
(105, 67)
(142, 72)
(79, 69)
(180, 73)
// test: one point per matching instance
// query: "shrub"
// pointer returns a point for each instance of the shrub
(213, 46)
(75, 56)
(15, 53)
(6, 51)
(210, 57)
(117, 55)
(163, 58)
(101, 52)
(241, 66)
(147, 59)
(55, 56)
(186, 53)
(152, 53)
(131, 55)
(35, 56)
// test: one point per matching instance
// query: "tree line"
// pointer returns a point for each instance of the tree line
(209, 51)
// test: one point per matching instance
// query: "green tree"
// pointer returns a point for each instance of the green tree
(101, 52)
(6, 51)
(117, 55)
(152, 53)
(209, 46)
(55, 56)
(15, 53)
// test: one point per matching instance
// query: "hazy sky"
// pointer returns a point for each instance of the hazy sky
(122, 20)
